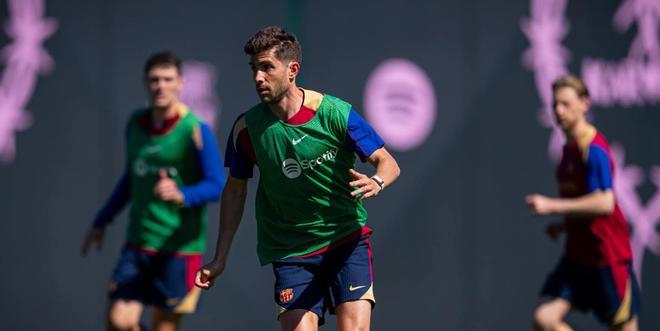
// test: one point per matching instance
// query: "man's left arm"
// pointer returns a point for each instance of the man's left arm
(210, 186)
(366, 143)
(387, 171)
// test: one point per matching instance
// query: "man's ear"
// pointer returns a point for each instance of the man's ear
(294, 69)
(587, 103)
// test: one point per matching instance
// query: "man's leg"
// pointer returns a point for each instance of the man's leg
(299, 320)
(549, 315)
(173, 292)
(627, 326)
(354, 315)
(352, 285)
(126, 291)
(164, 320)
(124, 315)
(626, 304)
(299, 293)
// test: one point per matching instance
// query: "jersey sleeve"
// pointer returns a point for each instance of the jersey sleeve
(117, 201)
(599, 173)
(209, 188)
(121, 194)
(361, 136)
(239, 154)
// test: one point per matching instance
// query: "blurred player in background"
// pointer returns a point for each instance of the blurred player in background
(595, 272)
(173, 170)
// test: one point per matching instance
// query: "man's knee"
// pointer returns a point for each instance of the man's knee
(124, 316)
(299, 320)
(354, 315)
(542, 321)
(123, 322)
(547, 317)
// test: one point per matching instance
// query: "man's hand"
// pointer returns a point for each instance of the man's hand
(553, 230)
(207, 274)
(540, 204)
(95, 235)
(166, 189)
(365, 185)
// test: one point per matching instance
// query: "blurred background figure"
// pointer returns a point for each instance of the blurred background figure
(595, 273)
(172, 172)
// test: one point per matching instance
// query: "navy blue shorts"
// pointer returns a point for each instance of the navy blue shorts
(322, 281)
(163, 280)
(611, 291)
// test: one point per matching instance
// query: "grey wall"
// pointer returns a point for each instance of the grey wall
(455, 247)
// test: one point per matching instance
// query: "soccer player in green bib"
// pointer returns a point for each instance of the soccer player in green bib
(310, 218)
(173, 171)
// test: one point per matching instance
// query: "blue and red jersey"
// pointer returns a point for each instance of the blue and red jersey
(587, 167)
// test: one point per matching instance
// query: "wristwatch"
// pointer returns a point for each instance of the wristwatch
(379, 181)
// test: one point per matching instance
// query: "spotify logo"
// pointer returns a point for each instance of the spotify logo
(399, 102)
(291, 168)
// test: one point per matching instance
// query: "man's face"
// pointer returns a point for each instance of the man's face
(569, 107)
(163, 84)
(272, 77)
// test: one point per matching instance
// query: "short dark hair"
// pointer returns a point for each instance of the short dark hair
(573, 82)
(286, 45)
(162, 59)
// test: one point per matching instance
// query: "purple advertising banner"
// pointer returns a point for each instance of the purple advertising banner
(199, 90)
(24, 59)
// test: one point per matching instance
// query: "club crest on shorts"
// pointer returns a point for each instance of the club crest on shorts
(286, 295)
(112, 287)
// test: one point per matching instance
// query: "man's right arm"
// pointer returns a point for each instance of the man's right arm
(232, 204)
(239, 158)
(117, 201)
(600, 200)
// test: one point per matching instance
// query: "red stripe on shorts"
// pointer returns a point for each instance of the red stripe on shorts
(193, 263)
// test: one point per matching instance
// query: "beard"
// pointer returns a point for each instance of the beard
(275, 96)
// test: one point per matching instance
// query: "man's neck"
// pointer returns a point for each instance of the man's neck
(160, 115)
(289, 105)
(578, 132)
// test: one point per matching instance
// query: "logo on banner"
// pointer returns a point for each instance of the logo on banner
(632, 81)
(399, 101)
(24, 59)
